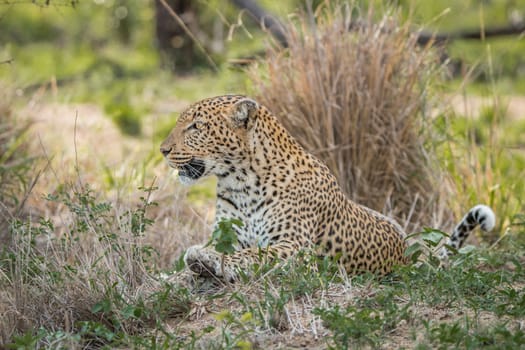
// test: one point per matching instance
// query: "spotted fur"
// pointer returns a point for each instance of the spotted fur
(479, 215)
(286, 198)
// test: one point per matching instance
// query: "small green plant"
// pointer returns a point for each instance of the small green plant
(244, 325)
(306, 273)
(224, 238)
(510, 301)
(26, 341)
(352, 327)
(429, 239)
(387, 302)
(469, 335)
(280, 283)
(425, 249)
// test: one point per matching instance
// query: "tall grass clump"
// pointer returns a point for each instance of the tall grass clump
(15, 161)
(355, 89)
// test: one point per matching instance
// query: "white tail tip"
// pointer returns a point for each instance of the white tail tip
(485, 216)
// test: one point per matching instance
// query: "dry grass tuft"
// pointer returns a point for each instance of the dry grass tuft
(359, 100)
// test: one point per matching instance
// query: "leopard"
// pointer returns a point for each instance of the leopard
(286, 199)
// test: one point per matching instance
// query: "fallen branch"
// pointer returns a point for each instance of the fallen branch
(262, 17)
(478, 34)
(277, 30)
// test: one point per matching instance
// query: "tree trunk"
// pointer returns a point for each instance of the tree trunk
(176, 47)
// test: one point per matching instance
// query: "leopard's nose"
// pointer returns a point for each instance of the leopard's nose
(165, 150)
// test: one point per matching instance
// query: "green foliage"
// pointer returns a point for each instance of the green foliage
(464, 335)
(126, 118)
(306, 273)
(464, 284)
(475, 281)
(429, 239)
(224, 237)
(367, 322)
(510, 302)
(483, 155)
(478, 281)
(26, 341)
(352, 327)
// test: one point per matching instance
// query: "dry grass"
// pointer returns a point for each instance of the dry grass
(15, 162)
(360, 100)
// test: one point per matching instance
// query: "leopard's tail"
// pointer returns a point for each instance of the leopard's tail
(479, 215)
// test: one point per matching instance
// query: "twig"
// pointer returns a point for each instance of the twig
(189, 33)
(77, 167)
(8, 61)
(507, 230)
(44, 3)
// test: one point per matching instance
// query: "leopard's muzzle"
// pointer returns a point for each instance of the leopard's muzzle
(193, 169)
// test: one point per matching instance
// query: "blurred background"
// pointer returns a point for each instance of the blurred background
(100, 48)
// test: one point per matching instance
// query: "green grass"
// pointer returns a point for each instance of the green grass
(460, 294)
(485, 157)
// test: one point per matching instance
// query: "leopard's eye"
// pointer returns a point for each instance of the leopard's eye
(197, 125)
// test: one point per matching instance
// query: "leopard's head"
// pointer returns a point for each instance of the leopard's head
(210, 137)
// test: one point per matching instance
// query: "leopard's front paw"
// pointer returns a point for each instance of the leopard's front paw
(202, 261)
(206, 262)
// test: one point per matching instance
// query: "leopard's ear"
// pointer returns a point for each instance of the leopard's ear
(244, 112)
